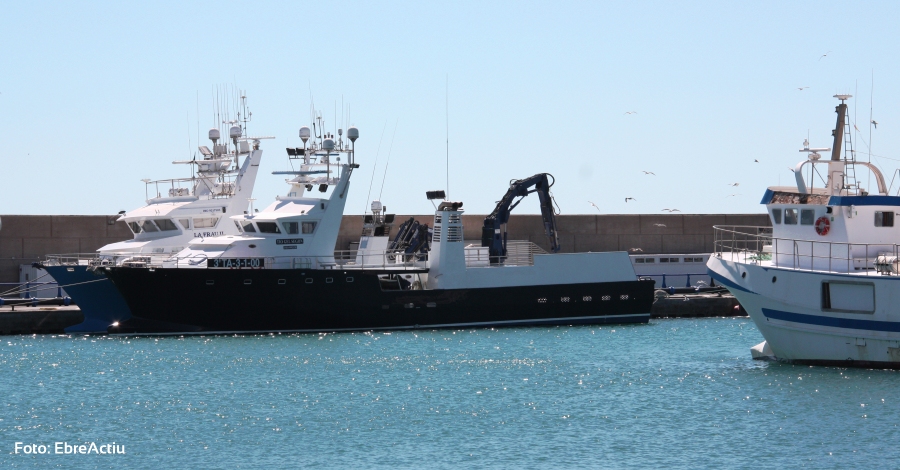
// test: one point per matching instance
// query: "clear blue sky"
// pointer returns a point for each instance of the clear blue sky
(96, 96)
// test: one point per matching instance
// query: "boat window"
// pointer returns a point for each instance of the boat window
(291, 228)
(639, 260)
(238, 224)
(848, 296)
(807, 216)
(186, 223)
(884, 219)
(205, 222)
(134, 227)
(148, 226)
(790, 216)
(776, 216)
(248, 226)
(165, 225)
(309, 227)
(268, 227)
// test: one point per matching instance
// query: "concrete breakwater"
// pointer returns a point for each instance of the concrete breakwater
(28, 238)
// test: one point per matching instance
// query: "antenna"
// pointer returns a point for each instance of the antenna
(447, 120)
(374, 166)
(388, 159)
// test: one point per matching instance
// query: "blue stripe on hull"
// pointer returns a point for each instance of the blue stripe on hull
(849, 323)
(727, 282)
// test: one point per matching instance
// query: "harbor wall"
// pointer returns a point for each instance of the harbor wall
(28, 238)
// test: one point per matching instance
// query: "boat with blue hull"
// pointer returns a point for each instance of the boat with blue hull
(282, 273)
(179, 211)
(821, 283)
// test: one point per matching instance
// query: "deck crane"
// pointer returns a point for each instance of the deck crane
(493, 234)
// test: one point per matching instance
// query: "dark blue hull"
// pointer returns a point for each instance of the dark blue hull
(99, 300)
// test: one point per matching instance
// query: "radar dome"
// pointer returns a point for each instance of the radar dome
(235, 132)
(328, 144)
(376, 206)
(214, 134)
(353, 134)
(304, 134)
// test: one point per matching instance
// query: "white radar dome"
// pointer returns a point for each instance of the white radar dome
(353, 134)
(376, 206)
(328, 144)
(304, 134)
(214, 135)
(235, 132)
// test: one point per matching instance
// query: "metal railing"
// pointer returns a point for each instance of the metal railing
(756, 245)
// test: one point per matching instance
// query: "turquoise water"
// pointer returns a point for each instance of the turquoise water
(674, 393)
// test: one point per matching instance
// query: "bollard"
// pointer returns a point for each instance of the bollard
(67, 300)
(664, 281)
(34, 301)
(688, 281)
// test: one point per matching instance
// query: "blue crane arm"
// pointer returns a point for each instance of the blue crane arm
(493, 233)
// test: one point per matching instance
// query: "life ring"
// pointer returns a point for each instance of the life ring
(823, 226)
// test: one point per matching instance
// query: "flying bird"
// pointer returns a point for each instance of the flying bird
(755, 161)
(660, 225)
(595, 205)
(649, 173)
(634, 249)
(802, 88)
(824, 55)
(674, 210)
(631, 112)
(630, 199)
(732, 195)
(734, 184)
(875, 123)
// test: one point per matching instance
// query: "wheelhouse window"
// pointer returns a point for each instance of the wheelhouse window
(776, 216)
(884, 219)
(248, 226)
(148, 226)
(807, 216)
(268, 227)
(238, 225)
(186, 223)
(291, 228)
(205, 222)
(135, 227)
(165, 225)
(309, 227)
(790, 216)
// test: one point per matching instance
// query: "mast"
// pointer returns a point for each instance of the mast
(838, 132)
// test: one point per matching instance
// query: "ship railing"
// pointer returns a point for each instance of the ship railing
(518, 253)
(341, 259)
(756, 245)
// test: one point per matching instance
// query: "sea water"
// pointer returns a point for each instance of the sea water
(674, 393)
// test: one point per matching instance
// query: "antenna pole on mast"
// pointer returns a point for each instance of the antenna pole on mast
(447, 121)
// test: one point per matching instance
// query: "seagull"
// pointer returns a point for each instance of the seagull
(634, 249)
(732, 195)
(875, 123)
(802, 88)
(734, 184)
(630, 199)
(674, 210)
(824, 55)
(660, 225)
(755, 161)
(631, 112)
(595, 205)
(649, 173)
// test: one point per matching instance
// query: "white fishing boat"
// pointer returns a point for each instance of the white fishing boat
(821, 283)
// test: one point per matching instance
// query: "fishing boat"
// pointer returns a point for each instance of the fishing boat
(281, 274)
(821, 282)
(178, 210)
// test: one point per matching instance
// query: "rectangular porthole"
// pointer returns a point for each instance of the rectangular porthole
(431, 305)
(210, 282)
(247, 282)
(70, 270)
(329, 280)
(605, 298)
(623, 297)
(848, 297)
(349, 279)
(282, 282)
(309, 280)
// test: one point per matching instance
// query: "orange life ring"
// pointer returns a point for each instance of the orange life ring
(823, 226)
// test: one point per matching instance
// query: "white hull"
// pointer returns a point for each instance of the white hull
(790, 315)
